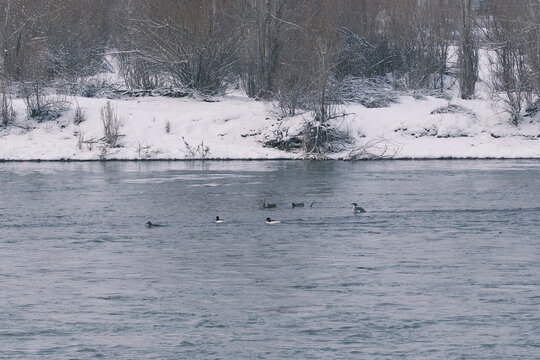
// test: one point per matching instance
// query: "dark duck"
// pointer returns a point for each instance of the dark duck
(358, 209)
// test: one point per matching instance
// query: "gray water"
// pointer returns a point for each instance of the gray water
(444, 265)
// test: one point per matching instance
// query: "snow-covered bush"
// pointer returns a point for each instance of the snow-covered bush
(312, 137)
(201, 151)
(79, 115)
(375, 149)
(81, 140)
(372, 93)
(450, 109)
(448, 121)
(146, 151)
(111, 125)
(43, 107)
(289, 101)
(279, 138)
(322, 139)
(7, 114)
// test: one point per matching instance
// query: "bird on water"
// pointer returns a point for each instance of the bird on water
(358, 209)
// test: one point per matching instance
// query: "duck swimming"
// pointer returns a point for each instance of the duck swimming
(271, 222)
(219, 221)
(149, 224)
(358, 209)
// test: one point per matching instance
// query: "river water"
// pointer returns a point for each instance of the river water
(444, 265)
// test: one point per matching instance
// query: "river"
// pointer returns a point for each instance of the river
(445, 263)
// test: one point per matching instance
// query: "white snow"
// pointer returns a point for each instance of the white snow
(235, 127)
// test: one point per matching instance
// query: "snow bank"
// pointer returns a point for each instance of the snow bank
(235, 127)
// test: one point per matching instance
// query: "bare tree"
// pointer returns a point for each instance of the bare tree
(468, 52)
(267, 26)
(531, 13)
(513, 75)
(186, 43)
(77, 34)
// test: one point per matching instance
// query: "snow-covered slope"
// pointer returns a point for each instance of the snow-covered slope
(234, 127)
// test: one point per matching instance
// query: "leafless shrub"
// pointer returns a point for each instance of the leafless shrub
(280, 139)
(139, 73)
(372, 93)
(532, 108)
(44, 107)
(79, 115)
(103, 151)
(375, 149)
(81, 141)
(319, 140)
(289, 101)
(111, 125)
(293, 91)
(450, 109)
(201, 151)
(7, 114)
(187, 44)
(316, 139)
(512, 77)
(510, 82)
(146, 151)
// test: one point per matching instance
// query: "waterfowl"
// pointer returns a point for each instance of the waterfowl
(297, 204)
(265, 205)
(271, 222)
(149, 224)
(219, 221)
(358, 209)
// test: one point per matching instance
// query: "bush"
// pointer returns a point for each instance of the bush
(42, 107)
(79, 116)
(372, 93)
(7, 114)
(111, 125)
(200, 152)
(322, 139)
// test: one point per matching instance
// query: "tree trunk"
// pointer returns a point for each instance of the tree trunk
(468, 53)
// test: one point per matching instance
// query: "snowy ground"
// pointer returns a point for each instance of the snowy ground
(235, 127)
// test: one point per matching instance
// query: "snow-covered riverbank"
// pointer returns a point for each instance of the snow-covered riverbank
(235, 127)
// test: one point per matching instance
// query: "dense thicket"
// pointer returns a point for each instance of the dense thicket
(307, 54)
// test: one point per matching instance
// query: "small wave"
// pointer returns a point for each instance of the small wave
(187, 177)
(365, 268)
(460, 210)
(304, 287)
(187, 344)
(208, 185)
(113, 298)
(88, 350)
(210, 324)
(25, 334)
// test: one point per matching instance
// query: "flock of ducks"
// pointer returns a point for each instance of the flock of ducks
(264, 205)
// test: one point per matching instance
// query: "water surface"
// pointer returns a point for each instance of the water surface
(445, 264)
